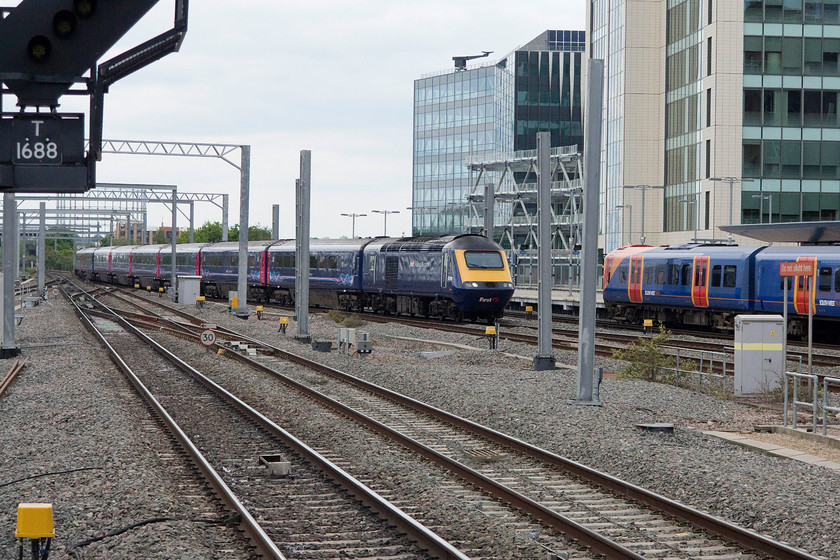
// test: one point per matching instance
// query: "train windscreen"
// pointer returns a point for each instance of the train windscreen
(487, 260)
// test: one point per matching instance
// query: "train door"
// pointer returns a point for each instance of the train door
(803, 287)
(446, 270)
(700, 282)
(634, 282)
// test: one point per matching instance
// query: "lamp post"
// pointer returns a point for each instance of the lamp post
(731, 181)
(629, 208)
(385, 213)
(761, 198)
(688, 200)
(642, 188)
(354, 216)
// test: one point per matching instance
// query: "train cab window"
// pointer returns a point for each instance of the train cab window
(622, 274)
(673, 274)
(730, 276)
(686, 274)
(488, 260)
(660, 274)
(824, 279)
(716, 270)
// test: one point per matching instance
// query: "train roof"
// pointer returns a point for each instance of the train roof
(688, 249)
(792, 252)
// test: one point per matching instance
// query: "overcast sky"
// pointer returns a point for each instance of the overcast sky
(333, 77)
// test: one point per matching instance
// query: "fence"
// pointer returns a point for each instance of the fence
(700, 379)
(818, 406)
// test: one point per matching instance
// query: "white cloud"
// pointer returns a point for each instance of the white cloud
(334, 77)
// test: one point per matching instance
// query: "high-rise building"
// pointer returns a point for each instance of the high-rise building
(709, 101)
(486, 112)
(457, 115)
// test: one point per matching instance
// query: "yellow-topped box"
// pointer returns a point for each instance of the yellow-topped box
(34, 521)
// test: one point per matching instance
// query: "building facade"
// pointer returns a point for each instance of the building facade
(458, 116)
(486, 113)
(708, 102)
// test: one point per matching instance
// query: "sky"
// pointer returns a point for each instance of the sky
(331, 76)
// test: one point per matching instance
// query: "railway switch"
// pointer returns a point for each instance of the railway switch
(35, 522)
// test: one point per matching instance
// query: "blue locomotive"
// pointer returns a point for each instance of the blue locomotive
(708, 285)
(456, 276)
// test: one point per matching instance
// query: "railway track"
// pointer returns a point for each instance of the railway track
(318, 507)
(607, 515)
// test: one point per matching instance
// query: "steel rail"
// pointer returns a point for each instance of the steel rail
(248, 524)
(424, 537)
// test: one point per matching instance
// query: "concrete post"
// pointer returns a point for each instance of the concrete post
(589, 249)
(245, 185)
(544, 360)
(302, 247)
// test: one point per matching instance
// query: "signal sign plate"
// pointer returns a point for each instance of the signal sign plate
(208, 337)
(37, 140)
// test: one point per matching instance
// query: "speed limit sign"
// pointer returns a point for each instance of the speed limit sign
(208, 337)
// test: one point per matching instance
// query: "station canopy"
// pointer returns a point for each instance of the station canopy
(806, 233)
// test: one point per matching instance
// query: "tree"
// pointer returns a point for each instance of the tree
(211, 232)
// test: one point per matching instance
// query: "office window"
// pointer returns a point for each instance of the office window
(709, 57)
(708, 158)
(709, 107)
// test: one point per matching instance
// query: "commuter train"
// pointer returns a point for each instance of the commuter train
(457, 276)
(708, 285)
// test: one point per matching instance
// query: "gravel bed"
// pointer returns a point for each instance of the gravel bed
(68, 388)
(71, 409)
(785, 499)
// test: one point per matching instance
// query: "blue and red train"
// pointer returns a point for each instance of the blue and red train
(708, 285)
(457, 276)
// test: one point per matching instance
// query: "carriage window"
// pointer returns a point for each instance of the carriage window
(313, 262)
(660, 274)
(488, 260)
(686, 274)
(837, 280)
(332, 261)
(323, 262)
(252, 261)
(730, 276)
(824, 281)
(371, 263)
(673, 274)
(649, 274)
(716, 276)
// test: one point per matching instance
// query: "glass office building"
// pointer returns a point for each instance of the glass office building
(457, 115)
(717, 101)
(489, 111)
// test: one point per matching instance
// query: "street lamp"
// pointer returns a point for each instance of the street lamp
(386, 212)
(629, 208)
(731, 180)
(642, 188)
(354, 216)
(761, 198)
(687, 200)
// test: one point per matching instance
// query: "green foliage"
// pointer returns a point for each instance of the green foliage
(645, 358)
(211, 232)
(344, 320)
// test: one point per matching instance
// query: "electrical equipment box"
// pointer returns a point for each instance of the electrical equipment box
(189, 288)
(35, 521)
(759, 354)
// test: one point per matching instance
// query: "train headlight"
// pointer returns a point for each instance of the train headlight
(472, 284)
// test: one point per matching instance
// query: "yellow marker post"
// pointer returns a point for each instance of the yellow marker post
(35, 521)
(259, 312)
(284, 322)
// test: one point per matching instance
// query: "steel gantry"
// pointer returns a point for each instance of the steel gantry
(515, 195)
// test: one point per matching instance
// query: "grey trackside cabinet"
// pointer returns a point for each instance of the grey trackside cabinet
(759, 360)
(189, 288)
